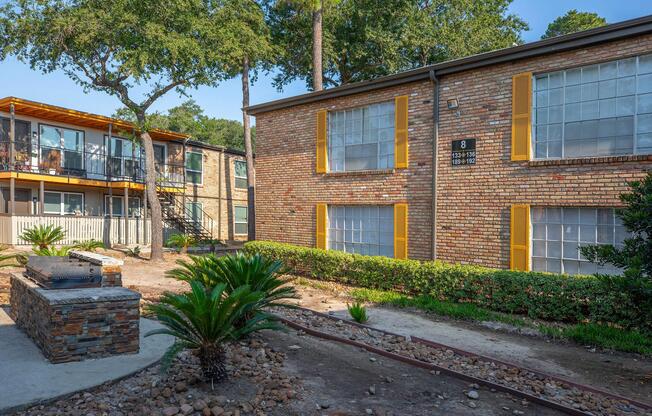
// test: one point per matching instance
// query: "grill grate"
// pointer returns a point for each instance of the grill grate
(63, 272)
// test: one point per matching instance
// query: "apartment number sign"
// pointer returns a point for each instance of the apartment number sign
(463, 152)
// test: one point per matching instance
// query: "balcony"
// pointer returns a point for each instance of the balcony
(85, 163)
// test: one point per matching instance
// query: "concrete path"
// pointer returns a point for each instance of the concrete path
(26, 377)
(626, 374)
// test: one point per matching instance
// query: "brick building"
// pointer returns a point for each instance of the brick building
(520, 162)
(58, 166)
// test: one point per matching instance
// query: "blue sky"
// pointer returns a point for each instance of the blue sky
(225, 100)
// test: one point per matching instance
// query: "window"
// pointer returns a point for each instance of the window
(240, 174)
(241, 220)
(596, 110)
(118, 206)
(361, 138)
(124, 158)
(194, 165)
(61, 148)
(63, 203)
(361, 229)
(557, 234)
(194, 212)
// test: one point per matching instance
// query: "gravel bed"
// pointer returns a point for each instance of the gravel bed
(257, 385)
(516, 378)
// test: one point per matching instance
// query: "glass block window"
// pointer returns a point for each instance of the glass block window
(194, 167)
(557, 234)
(240, 169)
(361, 138)
(365, 230)
(241, 220)
(597, 110)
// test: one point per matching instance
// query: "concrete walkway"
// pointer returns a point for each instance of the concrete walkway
(26, 377)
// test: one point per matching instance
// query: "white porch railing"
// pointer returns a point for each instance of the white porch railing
(114, 230)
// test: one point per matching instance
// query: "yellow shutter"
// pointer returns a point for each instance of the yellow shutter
(520, 238)
(400, 231)
(321, 141)
(521, 115)
(401, 132)
(322, 221)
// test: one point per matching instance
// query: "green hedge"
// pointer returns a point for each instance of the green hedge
(538, 295)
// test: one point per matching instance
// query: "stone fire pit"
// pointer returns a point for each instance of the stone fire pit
(79, 323)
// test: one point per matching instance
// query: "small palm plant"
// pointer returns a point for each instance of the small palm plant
(181, 242)
(52, 251)
(88, 245)
(133, 252)
(256, 271)
(16, 259)
(358, 312)
(203, 320)
(43, 236)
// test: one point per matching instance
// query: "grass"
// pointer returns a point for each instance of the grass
(583, 333)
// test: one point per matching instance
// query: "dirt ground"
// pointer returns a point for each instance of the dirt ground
(343, 380)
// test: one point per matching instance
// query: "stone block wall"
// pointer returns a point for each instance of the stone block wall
(76, 324)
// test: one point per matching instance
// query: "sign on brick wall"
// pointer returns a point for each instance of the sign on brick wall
(463, 152)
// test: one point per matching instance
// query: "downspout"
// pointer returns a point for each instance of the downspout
(435, 163)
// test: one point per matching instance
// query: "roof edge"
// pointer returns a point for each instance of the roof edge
(612, 32)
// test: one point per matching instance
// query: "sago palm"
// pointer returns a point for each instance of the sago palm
(260, 273)
(43, 236)
(88, 245)
(203, 321)
(181, 242)
(52, 251)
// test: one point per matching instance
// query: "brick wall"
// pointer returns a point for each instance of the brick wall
(288, 188)
(218, 193)
(473, 201)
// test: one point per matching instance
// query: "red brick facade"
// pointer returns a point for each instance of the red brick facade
(473, 202)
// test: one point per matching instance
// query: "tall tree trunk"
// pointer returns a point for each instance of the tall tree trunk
(317, 72)
(156, 217)
(249, 154)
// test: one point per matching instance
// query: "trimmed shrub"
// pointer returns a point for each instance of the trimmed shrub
(545, 296)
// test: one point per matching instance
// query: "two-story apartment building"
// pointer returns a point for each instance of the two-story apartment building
(85, 172)
(512, 158)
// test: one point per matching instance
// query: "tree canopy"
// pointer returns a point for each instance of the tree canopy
(189, 118)
(364, 39)
(573, 21)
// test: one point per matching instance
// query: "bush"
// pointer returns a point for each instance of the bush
(181, 242)
(203, 321)
(259, 273)
(358, 312)
(538, 295)
(43, 236)
(88, 245)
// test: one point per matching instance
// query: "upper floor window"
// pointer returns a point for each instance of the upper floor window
(597, 110)
(61, 148)
(240, 169)
(361, 138)
(194, 167)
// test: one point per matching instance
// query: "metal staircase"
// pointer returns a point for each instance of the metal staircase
(171, 192)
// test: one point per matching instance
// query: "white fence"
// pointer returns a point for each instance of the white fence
(114, 230)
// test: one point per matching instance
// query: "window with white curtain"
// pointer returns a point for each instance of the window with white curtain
(361, 229)
(361, 138)
(558, 233)
(596, 110)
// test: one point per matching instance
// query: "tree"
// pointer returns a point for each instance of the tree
(365, 39)
(189, 118)
(635, 255)
(252, 48)
(573, 21)
(119, 47)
